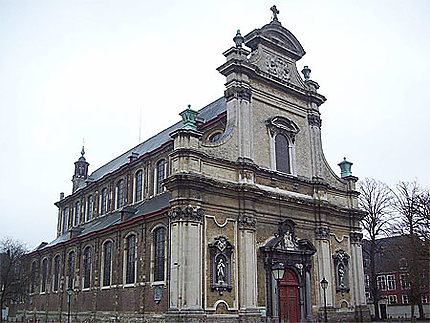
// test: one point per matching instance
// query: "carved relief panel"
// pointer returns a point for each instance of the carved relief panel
(341, 271)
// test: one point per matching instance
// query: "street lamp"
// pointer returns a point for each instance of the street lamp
(278, 273)
(69, 300)
(324, 285)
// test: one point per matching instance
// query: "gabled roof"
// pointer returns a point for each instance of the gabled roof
(206, 114)
(144, 208)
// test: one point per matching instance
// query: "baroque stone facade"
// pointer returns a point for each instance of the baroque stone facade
(188, 225)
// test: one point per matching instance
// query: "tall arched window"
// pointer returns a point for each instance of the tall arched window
(56, 273)
(282, 154)
(107, 263)
(32, 277)
(103, 208)
(130, 259)
(138, 181)
(65, 219)
(70, 270)
(120, 194)
(77, 213)
(87, 267)
(44, 275)
(89, 207)
(160, 175)
(159, 253)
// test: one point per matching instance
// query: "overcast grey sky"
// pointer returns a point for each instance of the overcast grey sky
(83, 69)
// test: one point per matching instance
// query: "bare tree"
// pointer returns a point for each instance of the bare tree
(376, 199)
(12, 274)
(412, 206)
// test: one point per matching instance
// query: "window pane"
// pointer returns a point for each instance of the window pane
(119, 194)
(104, 201)
(87, 269)
(138, 186)
(107, 263)
(71, 270)
(44, 274)
(131, 257)
(282, 154)
(65, 219)
(56, 272)
(77, 213)
(89, 207)
(161, 165)
(159, 257)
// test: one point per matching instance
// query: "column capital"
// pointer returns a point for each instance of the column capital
(356, 237)
(246, 222)
(186, 213)
(322, 233)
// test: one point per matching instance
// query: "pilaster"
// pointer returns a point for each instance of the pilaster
(357, 267)
(322, 235)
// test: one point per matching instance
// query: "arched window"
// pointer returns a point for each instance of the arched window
(32, 277)
(44, 275)
(70, 270)
(65, 219)
(107, 263)
(138, 181)
(89, 207)
(282, 154)
(120, 194)
(160, 175)
(130, 259)
(159, 253)
(87, 267)
(77, 213)
(103, 208)
(56, 273)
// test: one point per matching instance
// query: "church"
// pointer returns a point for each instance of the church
(230, 215)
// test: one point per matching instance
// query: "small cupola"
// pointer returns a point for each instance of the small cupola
(81, 171)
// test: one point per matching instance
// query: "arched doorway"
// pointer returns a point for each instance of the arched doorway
(289, 297)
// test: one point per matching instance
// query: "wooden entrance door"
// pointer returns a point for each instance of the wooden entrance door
(289, 297)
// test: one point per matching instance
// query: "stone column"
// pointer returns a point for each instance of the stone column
(357, 268)
(247, 257)
(324, 265)
(185, 286)
(308, 295)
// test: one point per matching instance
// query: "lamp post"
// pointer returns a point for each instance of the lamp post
(278, 273)
(69, 300)
(324, 285)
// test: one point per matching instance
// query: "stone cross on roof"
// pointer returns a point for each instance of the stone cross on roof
(275, 12)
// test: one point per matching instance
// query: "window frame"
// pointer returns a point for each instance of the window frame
(119, 194)
(86, 284)
(90, 206)
(158, 187)
(65, 219)
(33, 270)
(130, 260)
(154, 249)
(136, 186)
(56, 273)
(391, 280)
(103, 201)
(381, 282)
(77, 213)
(104, 277)
(392, 299)
(71, 264)
(281, 150)
(405, 299)
(44, 276)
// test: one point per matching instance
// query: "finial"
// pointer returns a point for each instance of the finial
(238, 39)
(82, 151)
(306, 72)
(275, 13)
(345, 168)
(189, 118)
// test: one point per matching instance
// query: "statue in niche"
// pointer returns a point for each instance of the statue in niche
(288, 241)
(220, 252)
(341, 271)
(221, 271)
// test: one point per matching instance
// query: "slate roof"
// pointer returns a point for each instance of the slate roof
(153, 205)
(206, 114)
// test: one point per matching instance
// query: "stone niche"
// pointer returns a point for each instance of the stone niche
(220, 251)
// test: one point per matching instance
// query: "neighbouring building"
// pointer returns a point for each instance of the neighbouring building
(392, 263)
(188, 225)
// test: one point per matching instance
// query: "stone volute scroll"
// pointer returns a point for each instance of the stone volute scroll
(341, 271)
(284, 126)
(220, 251)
